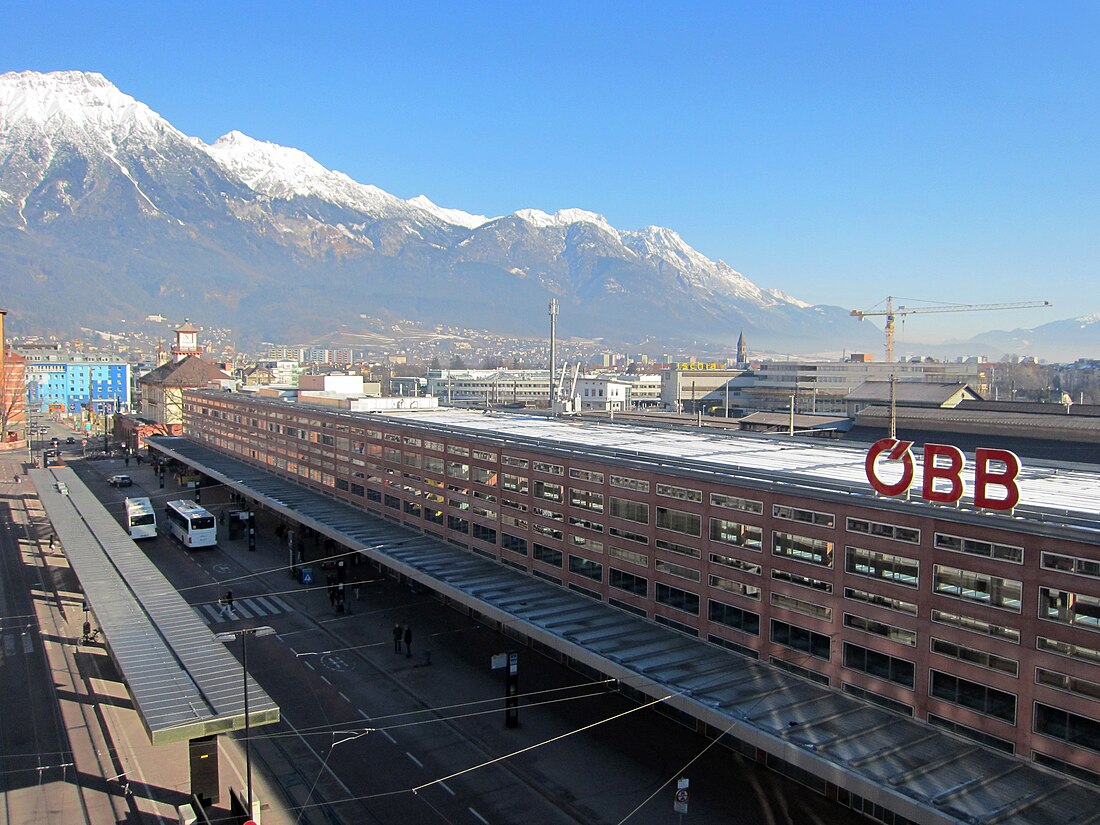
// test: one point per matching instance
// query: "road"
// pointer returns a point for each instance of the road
(372, 736)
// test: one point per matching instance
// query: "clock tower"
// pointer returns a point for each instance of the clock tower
(187, 341)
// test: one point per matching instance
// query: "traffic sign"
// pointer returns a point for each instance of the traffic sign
(680, 803)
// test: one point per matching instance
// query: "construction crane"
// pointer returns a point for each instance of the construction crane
(890, 312)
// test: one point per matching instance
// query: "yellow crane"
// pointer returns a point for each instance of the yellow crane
(890, 313)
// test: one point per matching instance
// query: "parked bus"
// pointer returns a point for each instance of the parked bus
(191, 524)
(141, 519)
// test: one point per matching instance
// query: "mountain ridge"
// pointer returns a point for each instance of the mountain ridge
(102, 198)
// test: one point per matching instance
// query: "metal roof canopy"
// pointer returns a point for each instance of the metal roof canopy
(904, 764)
(184, 684)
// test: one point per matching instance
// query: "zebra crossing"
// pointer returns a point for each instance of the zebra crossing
(247, 607)
(9, 644)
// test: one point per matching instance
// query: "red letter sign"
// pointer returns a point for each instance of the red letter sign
(984, 477)
(952, 473)
(899, 451)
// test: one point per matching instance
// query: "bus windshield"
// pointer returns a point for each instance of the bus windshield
(147, 518)
(202, 523)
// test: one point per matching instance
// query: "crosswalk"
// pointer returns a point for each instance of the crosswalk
(248, 607)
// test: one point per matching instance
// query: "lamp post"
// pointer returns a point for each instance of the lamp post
(243, 634)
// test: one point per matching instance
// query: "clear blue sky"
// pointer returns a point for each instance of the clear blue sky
(838, 151)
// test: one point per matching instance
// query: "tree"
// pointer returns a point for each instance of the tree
(457, 363)
(435, 365)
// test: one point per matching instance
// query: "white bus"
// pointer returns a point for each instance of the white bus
(191, 524)
(141, 519)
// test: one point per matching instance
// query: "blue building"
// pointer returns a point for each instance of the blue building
(73, 383)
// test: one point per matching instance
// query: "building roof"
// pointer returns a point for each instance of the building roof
(913, 393)
(802, 421)
(189, 372)
(988, 422)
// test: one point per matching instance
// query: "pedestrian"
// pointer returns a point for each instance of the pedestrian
(53, 538)
(138, 459)
(127, 460)
(223, 606)
(408, 641)
(229, 602)
(397, 638)
(332, 589)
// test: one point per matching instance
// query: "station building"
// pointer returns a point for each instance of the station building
(984, 624)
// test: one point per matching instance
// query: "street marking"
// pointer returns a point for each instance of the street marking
(9, 645)
(392, 740)
(255, 607)
(326, 681)
(285, 607)
(363, 714)
(211, 612)
(416, 761)
(307, 664)
(445, 787)
(342, 696)
(240, 608)
(479, 816)
(28, 643)
(272, 609)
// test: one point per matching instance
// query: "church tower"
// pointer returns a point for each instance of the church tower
(742, 350)
(187, 341)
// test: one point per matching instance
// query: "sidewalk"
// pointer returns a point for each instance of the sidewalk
(107, 770)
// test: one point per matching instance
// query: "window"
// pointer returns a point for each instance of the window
(975, 547)
(675, 597)
(679, 549)
(433, 464)
(749, 591)
(1085, 654)
(679, 521)
(634, 511)
(739, 535)
(735, 617)
(679, 570)
(1069, 608)
(455, 450)
(884, 566)
(975, 656)
(485, 533)
(745, 505)
(1070, 564)
(887, 631)
(586, 475)
(547, 555)
(592, 545)
(976, 697)
(626, 534)
(976, 587)
(586, 567)
(512, 461)
(629, 555)
(586, 499)
(631, 583)
(548, 491)
(1009, 634)
(482, 455)
(879, 665)
(458, 524)
(544, 467)
(803, 548)
(630, 483)
(458, 470)
(517, 484)
(889, 602)
(893, 532)
(1056, 723)
(682, 493)
(787, 513)
(818, 611)
(802, 581)
(799, 638)
(483, 476)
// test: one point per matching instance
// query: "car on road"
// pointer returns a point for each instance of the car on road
(70, 440)
(120, 481)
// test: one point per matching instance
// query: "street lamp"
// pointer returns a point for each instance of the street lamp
(243, 634)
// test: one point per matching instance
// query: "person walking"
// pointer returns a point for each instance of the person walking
(223, 606)
(397, 638)
(408, 641)
(229, 603)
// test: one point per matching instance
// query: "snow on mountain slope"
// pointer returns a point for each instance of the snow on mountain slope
(455, 217)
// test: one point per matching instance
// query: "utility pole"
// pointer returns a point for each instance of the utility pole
(553, 347)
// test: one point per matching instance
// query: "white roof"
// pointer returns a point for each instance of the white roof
(1054, 493)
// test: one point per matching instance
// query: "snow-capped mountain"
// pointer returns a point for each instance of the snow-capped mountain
(102, 199)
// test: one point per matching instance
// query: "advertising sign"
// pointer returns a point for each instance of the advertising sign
(994, 475)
